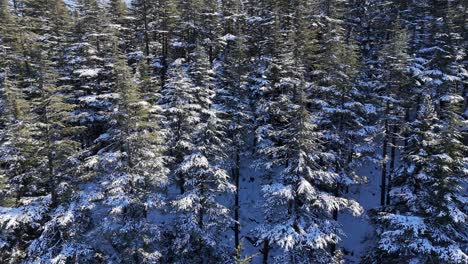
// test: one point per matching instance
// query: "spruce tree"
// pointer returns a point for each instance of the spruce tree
(299, 200)
(426, 221)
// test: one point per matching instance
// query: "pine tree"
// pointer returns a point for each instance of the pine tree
(118, 9)
(210, 28)
(143, 11)
(42, 153)
(427, 216)
(199, 150)
(201, 217)
(396, 96)
(233, 98)
(89, 67)
(136, 181)
(299, 202)
(120, 21)
(341, 115)
(16, 147)
(181, 110)
(7, 20)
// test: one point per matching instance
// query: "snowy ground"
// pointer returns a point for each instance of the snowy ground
(359, 230)
(251, 198)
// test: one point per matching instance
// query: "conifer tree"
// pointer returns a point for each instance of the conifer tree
(89, 66)
(42, 154)
(336, 98)
(233, 97)
(135, 184)
(426, 221)
(396, 96)
(181, 110)
(299, 203)
(199, 151)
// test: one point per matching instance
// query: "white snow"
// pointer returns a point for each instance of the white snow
(229, 37)
(88, 72)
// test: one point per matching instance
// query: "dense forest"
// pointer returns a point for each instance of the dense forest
(233, 131)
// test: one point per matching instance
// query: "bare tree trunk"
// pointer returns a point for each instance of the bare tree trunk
(392, 162)
(146, 37)
(405, 132)
(200, 224)
(50, 168)
(236, 173)
(265, 251)
(383, 185)
(15, 6)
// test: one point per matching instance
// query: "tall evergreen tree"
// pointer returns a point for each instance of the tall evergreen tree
(199, 150)
(299, 201)
(426, 220)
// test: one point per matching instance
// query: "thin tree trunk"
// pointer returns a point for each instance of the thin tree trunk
(145, 21)
(335, 217)
(200, 223)
(265, 251)
(15, 6)
(50, 169)
(407, 118)
(337, 187)
(236, 173)
(383, 185)
(392, 162)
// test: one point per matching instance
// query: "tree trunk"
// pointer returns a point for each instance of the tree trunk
(392, 162)
(335, 217)
(383, 185)
(200, 223)
(405, 132)
(50, 168)
(236, 173)
(265, 251)
(146, 36)
(15, 7)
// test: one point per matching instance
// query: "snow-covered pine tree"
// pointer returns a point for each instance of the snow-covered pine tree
(334, 95)
(258, 29)
(15, 142)
(117, 9)
(89, 66)
(156, 24)
(133, 171)
(168, 18)
(121, 22)
(371, 24)
(396, 95)
(300, 201)
(182, 113)
(44, 144)
(189, 27)
(202, 217)
(427, 219)
(7, 30)
(15, 43)
(200, 153)
(210, 28)
(143, 12)
(233, 97)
